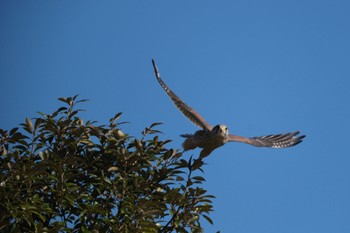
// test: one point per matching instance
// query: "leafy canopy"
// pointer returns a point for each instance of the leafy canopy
(59, 173)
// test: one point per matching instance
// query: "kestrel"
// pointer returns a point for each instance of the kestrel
(209, 138)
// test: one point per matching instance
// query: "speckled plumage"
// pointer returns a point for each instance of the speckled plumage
(210, 138)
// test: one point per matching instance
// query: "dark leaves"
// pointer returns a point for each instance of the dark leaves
(61, 174)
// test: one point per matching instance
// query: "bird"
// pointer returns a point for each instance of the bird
(211, 137)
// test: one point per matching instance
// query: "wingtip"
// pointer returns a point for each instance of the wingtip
(298, 139)
(155, 68)
(299, 136)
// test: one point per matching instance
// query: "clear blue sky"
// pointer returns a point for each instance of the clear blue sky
(260, 67)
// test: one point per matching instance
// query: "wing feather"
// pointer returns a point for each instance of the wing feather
(273, 140)
(189, 112)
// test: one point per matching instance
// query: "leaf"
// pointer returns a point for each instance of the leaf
(182, 164)
(179, 178)
(112, 169)
(118, 134)
(42, 217)
(150, 131)
(62, 109)
(116, 117)
(73, 113)
(83, 100)
(41, 155)
(208, 219)
(70, 100)
(155, 124)
(198, 178)
(94, 131)
(168, 154)
(69, 198)
(3, 151)
(37, 123)
(107, 180)
(197, 163)
(14, 130)
(29, 125)
(63, 99)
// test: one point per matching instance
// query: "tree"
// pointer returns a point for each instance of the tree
(58, 173)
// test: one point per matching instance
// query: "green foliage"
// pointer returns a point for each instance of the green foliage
(60, 174)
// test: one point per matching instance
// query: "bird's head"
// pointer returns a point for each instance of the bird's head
(221, 130)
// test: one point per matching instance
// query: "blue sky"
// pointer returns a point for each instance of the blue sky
(260, 67)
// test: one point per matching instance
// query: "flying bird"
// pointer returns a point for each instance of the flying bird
(211, 137)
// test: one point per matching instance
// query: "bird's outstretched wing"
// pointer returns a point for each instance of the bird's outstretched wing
(189, 112)
(273, 140)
